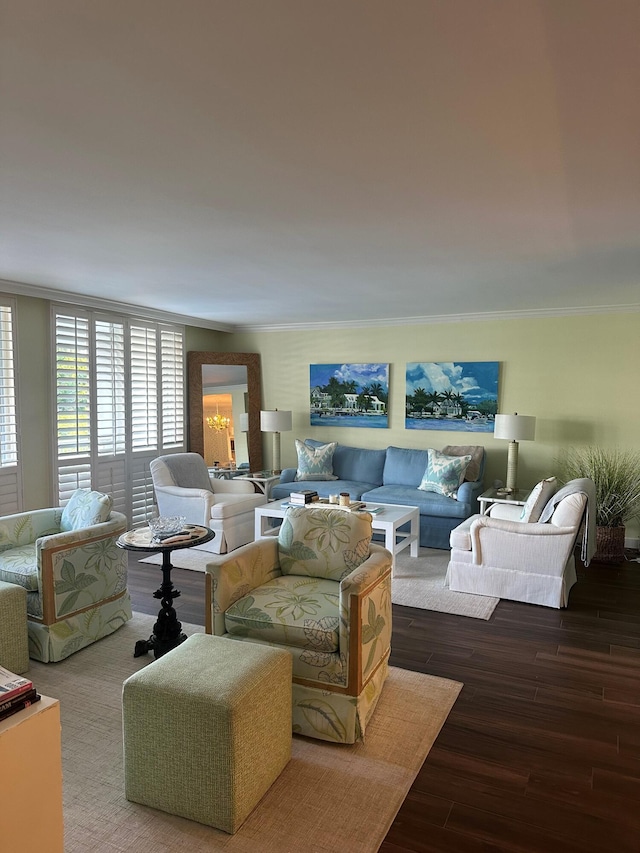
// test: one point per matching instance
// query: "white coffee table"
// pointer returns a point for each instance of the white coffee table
(388, 521)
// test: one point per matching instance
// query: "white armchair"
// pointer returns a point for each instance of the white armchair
(524, 561)
(183, 487)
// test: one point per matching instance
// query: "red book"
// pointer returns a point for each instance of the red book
(12, 685)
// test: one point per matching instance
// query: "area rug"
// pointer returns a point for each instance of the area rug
(417, 582)
(329, 797)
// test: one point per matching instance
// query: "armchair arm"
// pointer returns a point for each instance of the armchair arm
(242, 487)
(194, 504)
(502, 544)
(78, 569)
(231, 576)
(365, 616)
(23, 528)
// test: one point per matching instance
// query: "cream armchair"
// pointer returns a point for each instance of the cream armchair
(321, 590)
(74, 573)
(183, 487)
(524, 561)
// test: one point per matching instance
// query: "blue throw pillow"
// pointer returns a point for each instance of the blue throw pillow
(315, 463)
(444, 473)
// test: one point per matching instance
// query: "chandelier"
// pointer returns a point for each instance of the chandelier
(218, 422)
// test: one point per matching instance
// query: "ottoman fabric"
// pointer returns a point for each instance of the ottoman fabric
(207, 729)
(14, 635)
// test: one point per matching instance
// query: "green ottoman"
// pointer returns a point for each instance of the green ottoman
(207, 729)
(14, 636)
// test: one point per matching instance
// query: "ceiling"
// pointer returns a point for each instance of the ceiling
(289, 163)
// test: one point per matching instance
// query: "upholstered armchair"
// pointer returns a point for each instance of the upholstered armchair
(74, 573)
(532, 559)
(183, 487)
(321, 590)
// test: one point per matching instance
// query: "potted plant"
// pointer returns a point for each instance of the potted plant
(616, 474)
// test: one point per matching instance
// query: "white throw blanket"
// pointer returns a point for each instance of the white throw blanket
(586, 487)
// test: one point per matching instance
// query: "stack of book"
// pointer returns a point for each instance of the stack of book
(303, 497)
(16, 693)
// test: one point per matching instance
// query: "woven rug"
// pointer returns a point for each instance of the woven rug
(417, 582)
(329, 797)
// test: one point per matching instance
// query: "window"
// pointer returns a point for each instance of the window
(10, 471)
(120, 403)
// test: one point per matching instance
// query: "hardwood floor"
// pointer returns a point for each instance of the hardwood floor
(541, 752)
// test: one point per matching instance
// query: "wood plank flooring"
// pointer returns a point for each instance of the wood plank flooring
(541, 752)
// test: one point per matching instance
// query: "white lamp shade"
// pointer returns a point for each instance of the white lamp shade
(515, 427)
(244, 422)
(275, 421)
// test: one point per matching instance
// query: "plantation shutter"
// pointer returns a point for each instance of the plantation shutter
(10, 471)
(119, 394)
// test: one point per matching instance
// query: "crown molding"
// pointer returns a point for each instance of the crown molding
(528, 314)
(111, 305)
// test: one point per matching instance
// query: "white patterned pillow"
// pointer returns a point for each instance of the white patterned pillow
(84, 509)
(444, 473)
(315, 463)
(540, 496)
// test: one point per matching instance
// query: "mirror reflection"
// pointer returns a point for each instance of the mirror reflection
(224, 401)
(225, 385)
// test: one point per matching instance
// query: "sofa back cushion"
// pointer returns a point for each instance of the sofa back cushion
(323, 543)
(475, 468)
(356, 463)
(84, 509)
(404, 467)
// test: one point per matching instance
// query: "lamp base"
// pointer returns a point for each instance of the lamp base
(512, 467)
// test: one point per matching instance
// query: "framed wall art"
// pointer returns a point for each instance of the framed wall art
(451, 395)
(351, 395)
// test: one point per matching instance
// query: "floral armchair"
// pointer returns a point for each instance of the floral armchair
(74, 574)
(321, 590)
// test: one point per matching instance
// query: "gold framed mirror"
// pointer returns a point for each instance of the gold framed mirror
(216, 380)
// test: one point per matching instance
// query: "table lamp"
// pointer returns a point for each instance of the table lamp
(275, 421)
(513, 428)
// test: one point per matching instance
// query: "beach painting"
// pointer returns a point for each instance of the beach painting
(451, 395)
(350, 395)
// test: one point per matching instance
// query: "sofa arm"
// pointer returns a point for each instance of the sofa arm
(468, 494)
(502, 544)
(231, 576)
(288, 475)
(365, 613)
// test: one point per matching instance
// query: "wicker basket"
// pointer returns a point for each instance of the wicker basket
(609, 545)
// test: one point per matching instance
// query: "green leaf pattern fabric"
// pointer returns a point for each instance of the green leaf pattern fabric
(323, 542)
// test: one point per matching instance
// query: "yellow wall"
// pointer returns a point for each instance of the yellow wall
(578, 375)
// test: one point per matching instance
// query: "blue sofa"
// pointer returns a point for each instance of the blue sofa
(392, 476)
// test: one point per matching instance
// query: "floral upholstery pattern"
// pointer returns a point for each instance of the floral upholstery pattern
(85, 508)
(323, 543)
(338, 632)
(76, 580)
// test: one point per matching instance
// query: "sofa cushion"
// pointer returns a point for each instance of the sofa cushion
(324, 489)
(291, 611)
(443, 473)
(540, 495)
(358, 464)
(84, 509)
(475, 468)
(429, 503)
(20, 566)
(315, 463)
(323, 543)
(404, 466)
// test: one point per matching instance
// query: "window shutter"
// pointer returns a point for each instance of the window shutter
(73, 393)
(144, 388)
(172, 373)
